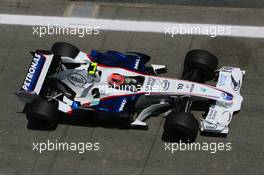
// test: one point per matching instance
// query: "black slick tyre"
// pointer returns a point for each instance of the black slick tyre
(65, 49)
(200, 63)
(43, 112)
(181, 125)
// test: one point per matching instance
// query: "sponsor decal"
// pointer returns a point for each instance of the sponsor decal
(33, 72)
(77, 79)
(179, 86)
(222, 80)
(165, 84)
(136, 64)
(235, 84)
(212, 114)
(121, 108)
(203, 89)
(211, 126)
(92, 68)
(103, 109)
(150, 83)
(227, 69)
(192, 87)
(229, 115)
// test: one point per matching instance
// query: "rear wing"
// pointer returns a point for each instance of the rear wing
(35, 76)
(220, 114)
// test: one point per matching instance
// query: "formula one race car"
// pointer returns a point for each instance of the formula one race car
(68, 80)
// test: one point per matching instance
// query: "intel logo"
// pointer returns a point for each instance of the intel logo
(165, 85)
(77, 79)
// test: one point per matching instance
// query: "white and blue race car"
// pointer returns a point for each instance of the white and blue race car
(65, 79)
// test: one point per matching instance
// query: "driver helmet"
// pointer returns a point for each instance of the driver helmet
(116, 79)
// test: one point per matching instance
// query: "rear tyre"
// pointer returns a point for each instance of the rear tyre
(199, 65)
(181, 126)
(65, 49)
(40, 111)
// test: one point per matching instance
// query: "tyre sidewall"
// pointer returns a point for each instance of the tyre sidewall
(182, 123)
(65, 49)
(202, 60)
(43, 111)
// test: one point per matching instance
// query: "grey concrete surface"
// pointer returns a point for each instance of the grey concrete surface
(138, 11)
(127, 151)
(207, 3)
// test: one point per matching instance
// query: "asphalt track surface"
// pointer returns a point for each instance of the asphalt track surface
(128, 151)
(210, 3)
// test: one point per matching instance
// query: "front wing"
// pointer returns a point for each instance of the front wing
(226, 95)
(220, 115)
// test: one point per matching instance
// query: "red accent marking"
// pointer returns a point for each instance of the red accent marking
(89, 57)
(86, 105)
(69, 113)
(174, 93)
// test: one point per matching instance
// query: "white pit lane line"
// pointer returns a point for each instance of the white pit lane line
(125, 25)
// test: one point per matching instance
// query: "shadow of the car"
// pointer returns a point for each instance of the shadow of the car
(40, 125)
(90, 119)
(211, 134)
(96, 121)
(87, 120)
(176, 138)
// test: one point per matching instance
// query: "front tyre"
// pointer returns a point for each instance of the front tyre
(199, 66)
(181, 126)
(43, 112)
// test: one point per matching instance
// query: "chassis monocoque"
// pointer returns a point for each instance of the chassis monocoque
(65, 79)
